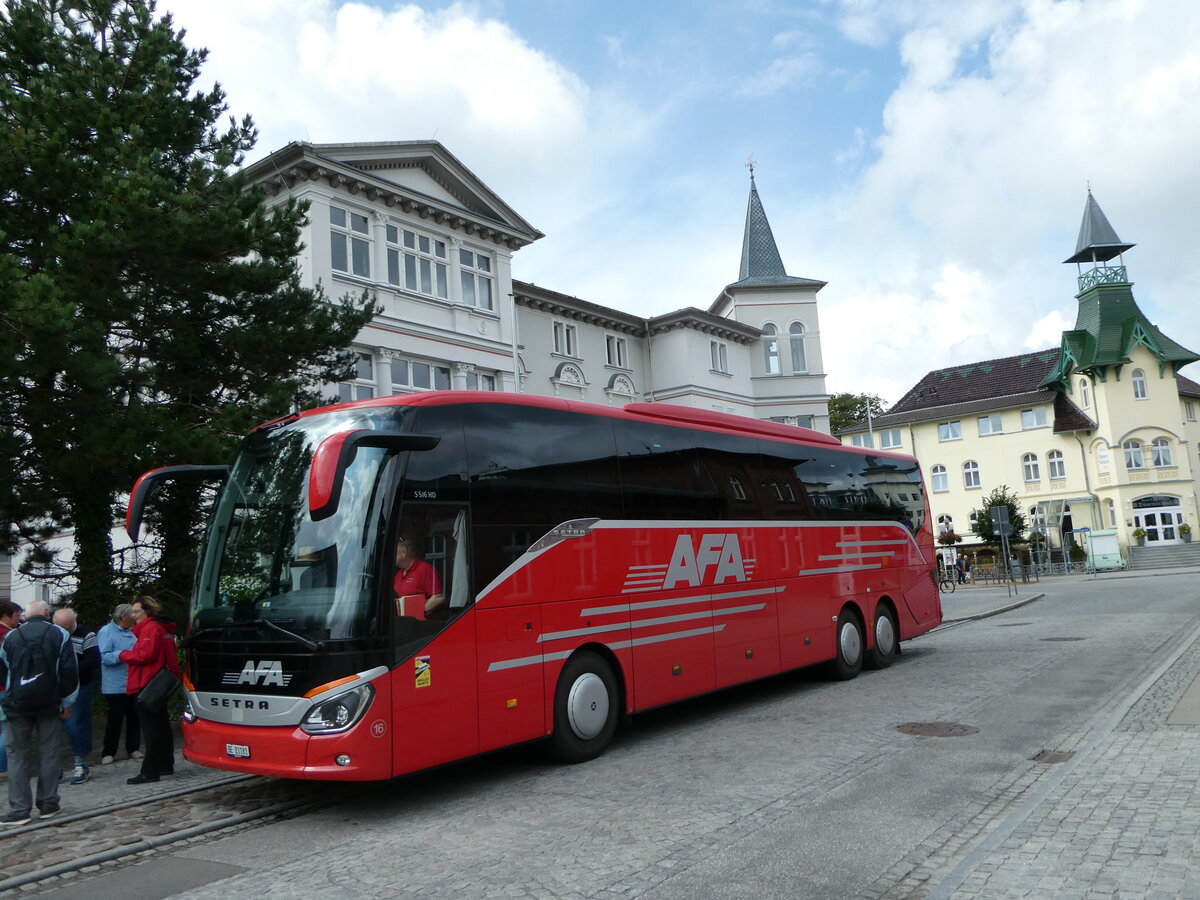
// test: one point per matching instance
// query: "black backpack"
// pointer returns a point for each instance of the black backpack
(33, 687)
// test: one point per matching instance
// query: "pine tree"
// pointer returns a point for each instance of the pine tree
(151, 304)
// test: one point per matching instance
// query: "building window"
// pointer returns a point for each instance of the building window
(862, 440)
(1058, 468)
(1139, 384)
(1083, 393)
(941, 481)
(1029, 463)
(475, 270)
(479, 382)
(771, 349)
(720, 359)
(565, 341)
(1112, 513)
(1133, 455)
(1189, 410)
(945, 523)
(804, 421)
(949, 431)
(411, 374)
(349, 242)
(362, 387)
(735, 486)
(970, 474)
(422, 259)
(889, 438)
(1033, 418)
(990, 424)
(799, 357)
(1160, 453)
(615, 347)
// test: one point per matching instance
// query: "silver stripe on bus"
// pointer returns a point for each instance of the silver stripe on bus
(832, 556)
(659, 638)
(649, 623)
(871, 543)
(527, 660)
(679, 601)
(839, 570)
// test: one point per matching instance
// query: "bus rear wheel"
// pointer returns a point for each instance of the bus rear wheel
(848, 659)
(585, 708)
(887, 638)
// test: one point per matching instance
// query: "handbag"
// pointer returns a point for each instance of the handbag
(158, 690)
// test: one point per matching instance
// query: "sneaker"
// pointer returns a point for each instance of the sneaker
(136, 754)
(82, 774)
(106, 759)
(50, 811)
(15, 819)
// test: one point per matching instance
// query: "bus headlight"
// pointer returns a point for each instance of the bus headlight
(188, 714)
(338, 713)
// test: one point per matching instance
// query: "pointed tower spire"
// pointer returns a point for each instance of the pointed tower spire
(1098, 242)
(760, 256)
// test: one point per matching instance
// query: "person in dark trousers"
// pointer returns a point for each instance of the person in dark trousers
(10, 618)
(40, 678)
(79, 725)
(114, 637)
(154, 650)
(960, 566)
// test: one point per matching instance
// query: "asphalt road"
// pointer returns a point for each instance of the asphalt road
(797, 787)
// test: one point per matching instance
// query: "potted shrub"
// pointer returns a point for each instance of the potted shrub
(1185, 531)
(1139, 536)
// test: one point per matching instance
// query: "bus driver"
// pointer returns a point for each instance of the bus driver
(417, 585)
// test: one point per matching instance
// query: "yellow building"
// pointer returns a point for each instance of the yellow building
(1098, 434)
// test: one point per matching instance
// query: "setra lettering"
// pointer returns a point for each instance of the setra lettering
(236, 703)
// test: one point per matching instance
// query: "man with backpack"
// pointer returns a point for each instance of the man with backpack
(41, 679)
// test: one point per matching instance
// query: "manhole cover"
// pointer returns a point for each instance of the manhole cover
(1014, 624)
(1063, 639)
(1053, 756)
(937, 729)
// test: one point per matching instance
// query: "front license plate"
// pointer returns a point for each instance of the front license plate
(239, 750)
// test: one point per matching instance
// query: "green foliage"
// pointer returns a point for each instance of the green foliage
(983, 527)
(948, 539)
(849, 409)
(152, 305)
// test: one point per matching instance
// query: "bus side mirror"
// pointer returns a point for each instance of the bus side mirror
(335, 454)
(146, 486)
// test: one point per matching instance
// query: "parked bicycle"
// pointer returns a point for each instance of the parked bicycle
(946, 582)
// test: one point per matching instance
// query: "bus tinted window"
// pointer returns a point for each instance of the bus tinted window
(842, 485)
(661, 475)
(441, 473)
(784, 496)
(733, 465)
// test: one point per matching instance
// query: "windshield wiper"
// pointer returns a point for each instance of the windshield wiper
(306, 643)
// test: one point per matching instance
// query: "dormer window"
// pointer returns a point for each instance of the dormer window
(1139, 384)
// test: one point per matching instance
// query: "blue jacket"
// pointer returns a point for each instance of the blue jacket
(112, 639)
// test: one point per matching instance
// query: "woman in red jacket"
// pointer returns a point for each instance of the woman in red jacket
(154, 650)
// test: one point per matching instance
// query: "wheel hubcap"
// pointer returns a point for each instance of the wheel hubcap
(587, 706)
(851, 643)
(885, 635)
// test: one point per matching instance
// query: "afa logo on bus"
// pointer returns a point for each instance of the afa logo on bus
(690, 564)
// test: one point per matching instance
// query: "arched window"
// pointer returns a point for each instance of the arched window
(1083, 392)
(1133, 455)
(1112, 513)
(945, 523)
(771, 349)
(1160, 452)
(1139, 384)
(1029, 463)
(941, 483)
(974, 520)
(970, 474)
(1058, 468)
(799, 358)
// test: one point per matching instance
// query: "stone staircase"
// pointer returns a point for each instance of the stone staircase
(1167, 556)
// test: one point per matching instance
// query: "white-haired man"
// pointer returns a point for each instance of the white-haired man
(40, 678)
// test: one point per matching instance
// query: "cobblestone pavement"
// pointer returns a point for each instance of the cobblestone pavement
(796, 787)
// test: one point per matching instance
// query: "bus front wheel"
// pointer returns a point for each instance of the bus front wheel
(585, 708)
(848, 659)
(887, 638)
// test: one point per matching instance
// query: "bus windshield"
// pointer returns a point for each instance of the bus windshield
(268, 565)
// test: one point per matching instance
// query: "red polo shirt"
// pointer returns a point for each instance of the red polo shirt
(421, 580)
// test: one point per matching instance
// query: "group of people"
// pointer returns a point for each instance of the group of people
(49, 665)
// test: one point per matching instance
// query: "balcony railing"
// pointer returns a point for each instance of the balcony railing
(1102, 275)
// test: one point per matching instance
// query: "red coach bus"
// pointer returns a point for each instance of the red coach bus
(588, 563)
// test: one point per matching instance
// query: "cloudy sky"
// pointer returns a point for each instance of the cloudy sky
(929, 159)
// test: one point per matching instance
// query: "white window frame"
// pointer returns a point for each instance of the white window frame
(889, 438)
(798, 352)
(417, 261)
(863, 440)
(774, 365)
(616, 350)
(950, 431)
(479, 381)
(1033, 418)
(476, 279)
(1030, 467)
(992, 423)
(362, 385)
(1138, 378)
(1160, 453)
(355, 242)
(971, 479)
(1189, 410)
(1084, 394)
(720, 357)
(939, 480)
(945, 523)
(1056, 463)
(566, 339)
(421, 375)
(1134, 459)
